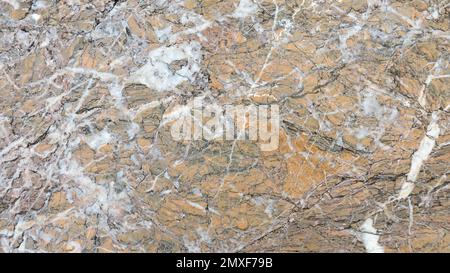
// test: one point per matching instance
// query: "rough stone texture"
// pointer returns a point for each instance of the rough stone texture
(87, 162)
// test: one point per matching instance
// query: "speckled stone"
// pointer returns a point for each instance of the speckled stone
(88, 162)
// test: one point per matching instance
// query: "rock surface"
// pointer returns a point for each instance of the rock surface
(88, 163)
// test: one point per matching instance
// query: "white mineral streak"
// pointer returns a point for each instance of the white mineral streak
(245, 8)
(95, 141)
(371, 106)
(426, 146)
(370, 238)
(36, 17)
(158, 75)
(196, 205)
(164, 33)
(40, 5)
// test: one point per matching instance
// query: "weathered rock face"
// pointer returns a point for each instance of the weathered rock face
(90, 90)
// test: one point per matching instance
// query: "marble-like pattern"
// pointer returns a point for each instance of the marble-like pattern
(88, 163)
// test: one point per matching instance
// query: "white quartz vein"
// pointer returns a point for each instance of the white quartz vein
(421, 155)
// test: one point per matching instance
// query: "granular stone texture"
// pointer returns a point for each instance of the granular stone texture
(91, 89)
